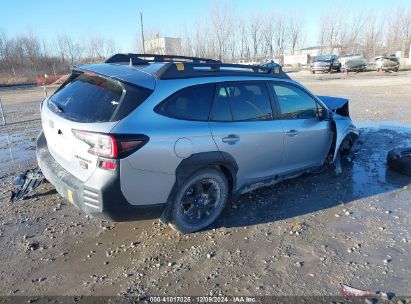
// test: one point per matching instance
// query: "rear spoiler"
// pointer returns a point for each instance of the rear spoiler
(336, 104)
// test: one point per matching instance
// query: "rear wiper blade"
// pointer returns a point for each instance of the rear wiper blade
(58, 107)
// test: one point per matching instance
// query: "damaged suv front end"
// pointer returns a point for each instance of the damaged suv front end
(346, 134)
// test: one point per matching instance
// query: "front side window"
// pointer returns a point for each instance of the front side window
(295, 103)
(242, 102)
(192, 103)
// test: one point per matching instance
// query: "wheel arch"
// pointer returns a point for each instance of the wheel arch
(221, 160)
(342, 139)
(348, 142)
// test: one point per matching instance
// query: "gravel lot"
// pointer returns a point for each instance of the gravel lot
(302, 237)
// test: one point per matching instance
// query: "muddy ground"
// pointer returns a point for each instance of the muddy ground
(301, 237)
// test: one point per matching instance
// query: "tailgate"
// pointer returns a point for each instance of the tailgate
(70, 152)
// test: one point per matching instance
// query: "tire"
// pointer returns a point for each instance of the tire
(400, 160)
(186, 214)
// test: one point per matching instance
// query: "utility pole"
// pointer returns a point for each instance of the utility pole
(142, 32)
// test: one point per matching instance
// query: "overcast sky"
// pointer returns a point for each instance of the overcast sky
(120, 19)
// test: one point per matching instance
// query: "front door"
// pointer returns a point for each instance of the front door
(242, 124)
(307, 138)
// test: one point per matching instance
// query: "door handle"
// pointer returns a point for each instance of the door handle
(231, 139)
(292, 133)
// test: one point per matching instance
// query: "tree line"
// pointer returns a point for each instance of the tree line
(225, 35)
(26, 55)
(222, 33)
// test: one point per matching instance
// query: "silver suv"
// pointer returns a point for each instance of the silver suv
(143, 136)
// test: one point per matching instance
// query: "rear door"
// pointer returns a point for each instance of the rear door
(242, 124)
(307, 137)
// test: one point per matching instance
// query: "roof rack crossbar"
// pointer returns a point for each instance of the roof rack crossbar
(178, 58)
(141, 59)
(126, 58)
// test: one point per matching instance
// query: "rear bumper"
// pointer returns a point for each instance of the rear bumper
(100, 196)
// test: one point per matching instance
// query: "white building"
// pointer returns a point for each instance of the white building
(296, 59)
(163, 46)
(319, 50)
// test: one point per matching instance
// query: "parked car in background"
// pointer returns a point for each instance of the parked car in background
(387, 63)
(143, 135)
(353, 62)
(325, 63)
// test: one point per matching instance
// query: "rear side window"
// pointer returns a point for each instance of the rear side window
(192, 103)
(90, 98)
(295, 103)
(242, 102)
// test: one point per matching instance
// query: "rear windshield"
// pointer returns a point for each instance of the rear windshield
(90, 98)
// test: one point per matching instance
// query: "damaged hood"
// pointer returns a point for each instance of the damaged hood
(336, 104)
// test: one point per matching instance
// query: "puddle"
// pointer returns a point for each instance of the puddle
(370, 184)
(369, 172)
(17, 149)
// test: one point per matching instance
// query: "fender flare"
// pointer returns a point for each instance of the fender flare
(196, 162)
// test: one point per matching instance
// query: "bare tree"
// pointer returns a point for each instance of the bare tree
(356, 26)
(69, 48)
(244, 45)
(330, 34)
(255, 26)
(98, 48)
(30, 45)
(200, 40)
(110, 47)
(295, 26)
(267, 33)
(186, 41)
(222, 22)
(62, 47)
(3, 45)
(405, 31)
(280, 36)
(394, 29)
(372, 33)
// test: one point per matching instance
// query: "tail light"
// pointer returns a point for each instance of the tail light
(111, 145)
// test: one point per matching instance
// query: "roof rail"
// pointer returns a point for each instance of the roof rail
(189, 67)
(141, 59)
(180, 70)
